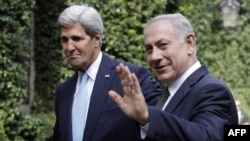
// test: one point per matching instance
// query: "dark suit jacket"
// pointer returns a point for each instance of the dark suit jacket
(105, 121)
(197, 112)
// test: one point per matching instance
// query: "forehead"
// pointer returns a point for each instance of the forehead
(159, 29)
(77, 27)
(158, 25)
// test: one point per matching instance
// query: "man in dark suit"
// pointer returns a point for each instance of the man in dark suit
(81, 30)
(197, 105)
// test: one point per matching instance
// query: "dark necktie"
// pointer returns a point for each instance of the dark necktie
(163, 98)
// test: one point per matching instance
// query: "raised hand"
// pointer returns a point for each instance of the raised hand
(132, 103)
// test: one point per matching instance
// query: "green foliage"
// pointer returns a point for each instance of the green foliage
(124, 21)
(15, 23)
(224, 51)
(242, 94)
(3, 136)
(36, 127)
(50, 65)
(21, 127)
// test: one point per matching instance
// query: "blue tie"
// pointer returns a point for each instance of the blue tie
(79, 109)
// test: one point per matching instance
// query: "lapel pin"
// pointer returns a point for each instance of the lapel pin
(106, 75)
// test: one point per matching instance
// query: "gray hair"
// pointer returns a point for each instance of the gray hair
(180, 24)
(87, 16)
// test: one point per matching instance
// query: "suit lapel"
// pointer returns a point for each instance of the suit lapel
(100, 94)
(185, 88)
(177, 98)
(67, 91)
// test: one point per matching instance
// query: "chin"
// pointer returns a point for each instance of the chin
(162, 77)
(74, 66)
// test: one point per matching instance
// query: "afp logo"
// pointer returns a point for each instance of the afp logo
(237, 132)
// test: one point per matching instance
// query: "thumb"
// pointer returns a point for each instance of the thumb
(115, 97)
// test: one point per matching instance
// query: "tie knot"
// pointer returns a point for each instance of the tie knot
(84, 78)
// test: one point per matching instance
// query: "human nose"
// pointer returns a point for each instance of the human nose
(156, 54)
(69, 45)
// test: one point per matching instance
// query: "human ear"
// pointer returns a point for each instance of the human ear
(97, 39)
(191, 43)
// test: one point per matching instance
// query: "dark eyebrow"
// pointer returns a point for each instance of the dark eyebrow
(157, 42)
(74, 38)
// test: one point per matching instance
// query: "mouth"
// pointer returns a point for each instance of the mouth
(72, 58)
(160, 68)
(72, 55)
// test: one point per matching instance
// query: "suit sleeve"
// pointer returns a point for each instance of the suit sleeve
(200, 116)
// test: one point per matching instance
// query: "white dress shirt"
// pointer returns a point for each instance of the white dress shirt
(92, 72)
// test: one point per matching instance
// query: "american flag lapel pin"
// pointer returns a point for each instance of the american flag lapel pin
(106, 75)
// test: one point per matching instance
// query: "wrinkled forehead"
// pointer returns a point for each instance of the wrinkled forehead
(158, 30)
(158, 24)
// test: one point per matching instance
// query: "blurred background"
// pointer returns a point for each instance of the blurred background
(32, 64)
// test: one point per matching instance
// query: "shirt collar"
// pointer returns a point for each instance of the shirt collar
(93, 69)
(178, 82)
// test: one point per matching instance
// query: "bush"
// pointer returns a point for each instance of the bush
(3, 136)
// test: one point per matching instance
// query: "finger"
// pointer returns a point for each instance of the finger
(126, 80)
(136, 84)
(131, 87)
(128, 91)
(124, 74)
(120, 69)
(115, 97)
